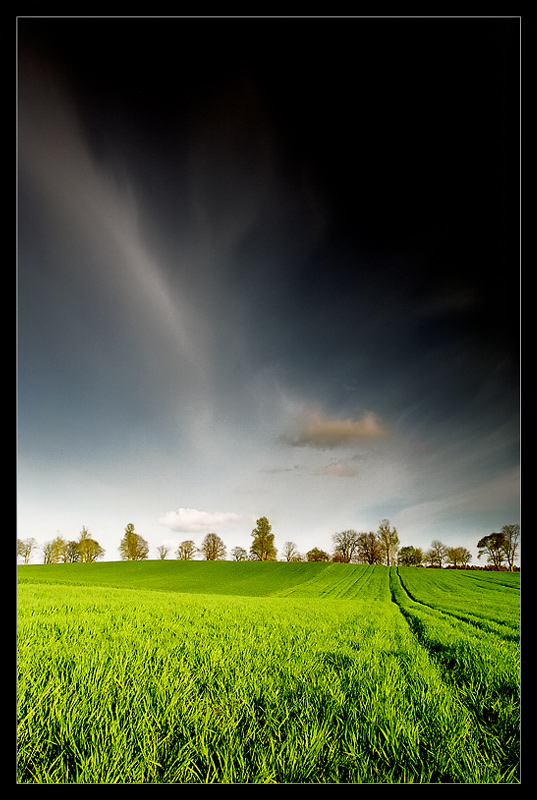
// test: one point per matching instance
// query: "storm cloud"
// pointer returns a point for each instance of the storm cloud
(226, 258)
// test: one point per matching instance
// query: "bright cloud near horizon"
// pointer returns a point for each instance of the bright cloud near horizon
(235, 302)
(190, 520)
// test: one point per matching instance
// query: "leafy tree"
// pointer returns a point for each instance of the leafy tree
(162, 551)
(25, 548)
(389, 541)
(59, 549)
(437, 553)
(90, 550)
(410, 556)
(317, 555)
(56, 551)
(511, 534)
(458, 556)
(263, 548)
(493, 546)
(369, 549)
(213, 548)
(239, 554)
(133, 547)
(346, 545)
(186, 550)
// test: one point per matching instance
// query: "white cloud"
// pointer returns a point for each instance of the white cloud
(190, 520)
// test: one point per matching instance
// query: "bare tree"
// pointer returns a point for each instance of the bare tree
(72, 553)
(511, 536)
(389, 541)
(239, 554)
(186, 550)
(437, 553)
(213, 548)
(369, 549)
(25, 548)
(290, 551)
(162, 551)
(346, 544)
(48, 553)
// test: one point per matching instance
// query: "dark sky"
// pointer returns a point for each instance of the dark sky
(268, 267)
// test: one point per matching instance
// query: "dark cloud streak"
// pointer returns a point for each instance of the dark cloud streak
(245, 216)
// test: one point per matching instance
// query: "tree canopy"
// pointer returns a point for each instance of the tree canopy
(500, 548)
(458, 556)
(316, 554)
(133, 547)
(262, 548)
(410, 556)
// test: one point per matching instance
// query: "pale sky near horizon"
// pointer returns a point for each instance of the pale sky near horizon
(268, 267)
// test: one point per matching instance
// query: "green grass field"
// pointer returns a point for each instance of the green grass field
(197, 672)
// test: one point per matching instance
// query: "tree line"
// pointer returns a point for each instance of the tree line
(84, 550)
(349, 546)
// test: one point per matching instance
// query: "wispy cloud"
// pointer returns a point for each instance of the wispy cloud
(339, 469)
(496, 497)
(190, 520)
(315, 429)
(277, 470)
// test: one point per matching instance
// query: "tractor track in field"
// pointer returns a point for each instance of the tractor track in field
(437, 654)
(474, 621)
(450, 658)
(441, 657)
(457, 674)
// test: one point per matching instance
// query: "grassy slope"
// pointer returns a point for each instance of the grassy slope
(256, 579)
(127, 684)
(207, 577)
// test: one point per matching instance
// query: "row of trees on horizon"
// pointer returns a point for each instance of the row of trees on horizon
(350, 546)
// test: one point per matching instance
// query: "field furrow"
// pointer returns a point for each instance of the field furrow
(481, 668)
(497, 615)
